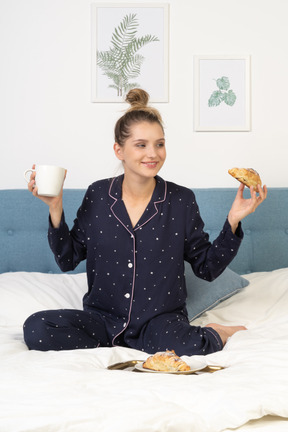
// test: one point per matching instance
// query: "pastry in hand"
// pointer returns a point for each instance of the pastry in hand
(166, 361)
(248, 176)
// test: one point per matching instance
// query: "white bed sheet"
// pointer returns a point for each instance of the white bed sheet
(73, 391)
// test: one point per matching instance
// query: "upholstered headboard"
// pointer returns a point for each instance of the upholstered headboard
(24, 221)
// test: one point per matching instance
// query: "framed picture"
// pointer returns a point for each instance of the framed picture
(222, 93)
(129, 50)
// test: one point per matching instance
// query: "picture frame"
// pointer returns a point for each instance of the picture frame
(129, 49)
(222, 93)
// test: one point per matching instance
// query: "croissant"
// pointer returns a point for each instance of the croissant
(166, 361)
(248, 176)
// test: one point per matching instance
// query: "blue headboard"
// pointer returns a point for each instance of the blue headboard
(24, 222)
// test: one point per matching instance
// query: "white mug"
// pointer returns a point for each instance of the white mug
(49, 179)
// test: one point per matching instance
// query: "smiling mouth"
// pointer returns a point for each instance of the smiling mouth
(150, 164)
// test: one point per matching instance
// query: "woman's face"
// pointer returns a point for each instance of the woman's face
(143, 153)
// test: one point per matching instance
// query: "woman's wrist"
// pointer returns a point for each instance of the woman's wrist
(56, 215)
(233, 223)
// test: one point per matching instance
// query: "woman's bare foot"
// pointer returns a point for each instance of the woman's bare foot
(225, 331)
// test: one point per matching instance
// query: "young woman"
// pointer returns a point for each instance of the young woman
(135, 231)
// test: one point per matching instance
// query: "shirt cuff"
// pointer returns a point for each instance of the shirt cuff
(62, 223)
(238, 233)
(217, 337)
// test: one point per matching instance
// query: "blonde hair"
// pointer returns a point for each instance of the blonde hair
(139, 111)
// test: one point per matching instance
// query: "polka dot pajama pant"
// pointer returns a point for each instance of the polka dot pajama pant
(69, 329)
(65, 329)
(173, 331)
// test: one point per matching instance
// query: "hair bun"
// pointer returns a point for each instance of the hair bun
(139, 111)
(137, 98)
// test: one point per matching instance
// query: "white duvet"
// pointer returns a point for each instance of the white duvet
(73, 391)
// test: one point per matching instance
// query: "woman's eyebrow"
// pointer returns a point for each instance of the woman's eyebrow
(144, 140)
(140, 140)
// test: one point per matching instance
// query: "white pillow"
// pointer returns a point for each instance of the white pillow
(265, 299)
(23, 293)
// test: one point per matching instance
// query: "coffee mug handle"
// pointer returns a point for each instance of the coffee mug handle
(26, 172)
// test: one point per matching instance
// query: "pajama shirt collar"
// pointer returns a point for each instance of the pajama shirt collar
(118, 207)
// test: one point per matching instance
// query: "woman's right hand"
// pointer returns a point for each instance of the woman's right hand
(55, 203)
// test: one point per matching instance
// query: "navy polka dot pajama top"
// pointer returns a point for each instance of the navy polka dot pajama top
(136, 283)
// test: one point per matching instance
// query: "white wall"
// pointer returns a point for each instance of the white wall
(46, 115)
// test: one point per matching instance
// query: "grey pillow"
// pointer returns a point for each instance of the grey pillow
(203, 295)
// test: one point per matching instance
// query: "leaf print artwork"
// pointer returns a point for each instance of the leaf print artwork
(122, 62)
(223, 83)
(215, 99)
(223, 94)
(229, 98)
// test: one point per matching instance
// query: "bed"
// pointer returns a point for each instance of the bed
(73, 391)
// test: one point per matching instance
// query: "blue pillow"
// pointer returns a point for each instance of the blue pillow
(203, 295)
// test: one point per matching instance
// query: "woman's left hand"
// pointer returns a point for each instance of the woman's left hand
(242, 207)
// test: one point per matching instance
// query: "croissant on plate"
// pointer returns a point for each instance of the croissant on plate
(166, 361)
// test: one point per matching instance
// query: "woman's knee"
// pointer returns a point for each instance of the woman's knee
(33, 332)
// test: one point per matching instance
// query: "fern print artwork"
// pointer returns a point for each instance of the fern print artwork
(121, 64)
(223, 94)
